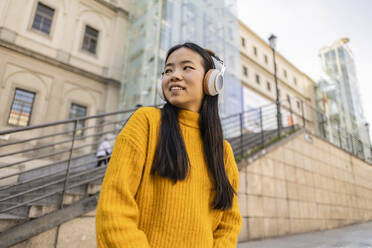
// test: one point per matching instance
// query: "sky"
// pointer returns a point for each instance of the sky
(305, 26)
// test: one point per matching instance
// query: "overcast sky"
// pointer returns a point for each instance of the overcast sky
(304, 26)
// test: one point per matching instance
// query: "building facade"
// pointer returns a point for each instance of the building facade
(60, 59)
(257, 78)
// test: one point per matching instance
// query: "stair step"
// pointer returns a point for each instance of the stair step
(69, 199)
(37, 211)
(93, 188)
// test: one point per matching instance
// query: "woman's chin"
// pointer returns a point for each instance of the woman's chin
(175, 100)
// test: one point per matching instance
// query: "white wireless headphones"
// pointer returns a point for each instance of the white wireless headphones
(213, 82)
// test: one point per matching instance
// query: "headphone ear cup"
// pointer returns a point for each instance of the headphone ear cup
(160, 91)
(213, 82)
(206, 82)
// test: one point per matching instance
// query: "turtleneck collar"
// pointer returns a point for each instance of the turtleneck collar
(189, 118)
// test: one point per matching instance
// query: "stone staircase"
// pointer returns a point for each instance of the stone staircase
(40, 191)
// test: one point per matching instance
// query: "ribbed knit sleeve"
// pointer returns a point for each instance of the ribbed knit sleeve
(226, 234)
(117, 211)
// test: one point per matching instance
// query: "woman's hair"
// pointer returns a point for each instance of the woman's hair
(171, 159)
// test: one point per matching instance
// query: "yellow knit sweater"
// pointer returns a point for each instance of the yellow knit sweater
(137, 209)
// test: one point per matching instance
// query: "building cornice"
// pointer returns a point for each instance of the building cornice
(55, 62)
(279, 80)
(113, 7)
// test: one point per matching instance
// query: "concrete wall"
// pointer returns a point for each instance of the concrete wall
(301, 186)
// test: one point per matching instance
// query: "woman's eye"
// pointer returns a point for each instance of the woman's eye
(167, 70)
(187, 67)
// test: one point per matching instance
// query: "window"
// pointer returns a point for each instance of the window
(77, 111)
(298, 104)
(266, 60)
(268, 85)
(243, 42)
(295, 81)
(90, 39)
(285, 73)
(43, 18)
(245, 71)
(257, 79)
(288, 99)
(255, 50)
(20, 112)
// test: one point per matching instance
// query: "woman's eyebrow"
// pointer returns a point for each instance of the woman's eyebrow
(182, 62)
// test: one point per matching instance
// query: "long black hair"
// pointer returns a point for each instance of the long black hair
(171, 159)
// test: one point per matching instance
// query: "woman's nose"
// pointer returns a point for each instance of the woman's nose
(176, 75)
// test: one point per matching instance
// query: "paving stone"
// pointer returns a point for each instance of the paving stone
(354, 236)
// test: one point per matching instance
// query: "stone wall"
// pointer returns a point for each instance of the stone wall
(300, 186)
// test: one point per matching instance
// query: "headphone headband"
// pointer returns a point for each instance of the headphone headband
(221, 62)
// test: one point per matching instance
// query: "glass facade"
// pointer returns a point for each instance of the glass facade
(340, 84)
(158, 25)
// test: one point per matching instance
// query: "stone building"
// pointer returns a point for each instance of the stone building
(60, 59)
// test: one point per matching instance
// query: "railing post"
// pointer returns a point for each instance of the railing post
(69, 163)
(262, 131)
(241, 135)
(291, 112)
(322, 126)
(303, 113)
(279, 118)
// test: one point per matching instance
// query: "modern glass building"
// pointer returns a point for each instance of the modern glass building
(157, 25)
(341, 90)
(338, 63)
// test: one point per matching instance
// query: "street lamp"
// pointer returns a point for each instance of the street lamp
(272, 41)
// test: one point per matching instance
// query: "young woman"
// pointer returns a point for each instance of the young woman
(172, 179)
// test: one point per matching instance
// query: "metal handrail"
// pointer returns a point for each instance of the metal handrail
(45, 166)
(48, 184)
(55, 123)
(45, 156)
(48, 175)
(50, 194)
(34, 138)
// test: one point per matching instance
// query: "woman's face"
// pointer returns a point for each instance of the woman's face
(182, 81)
